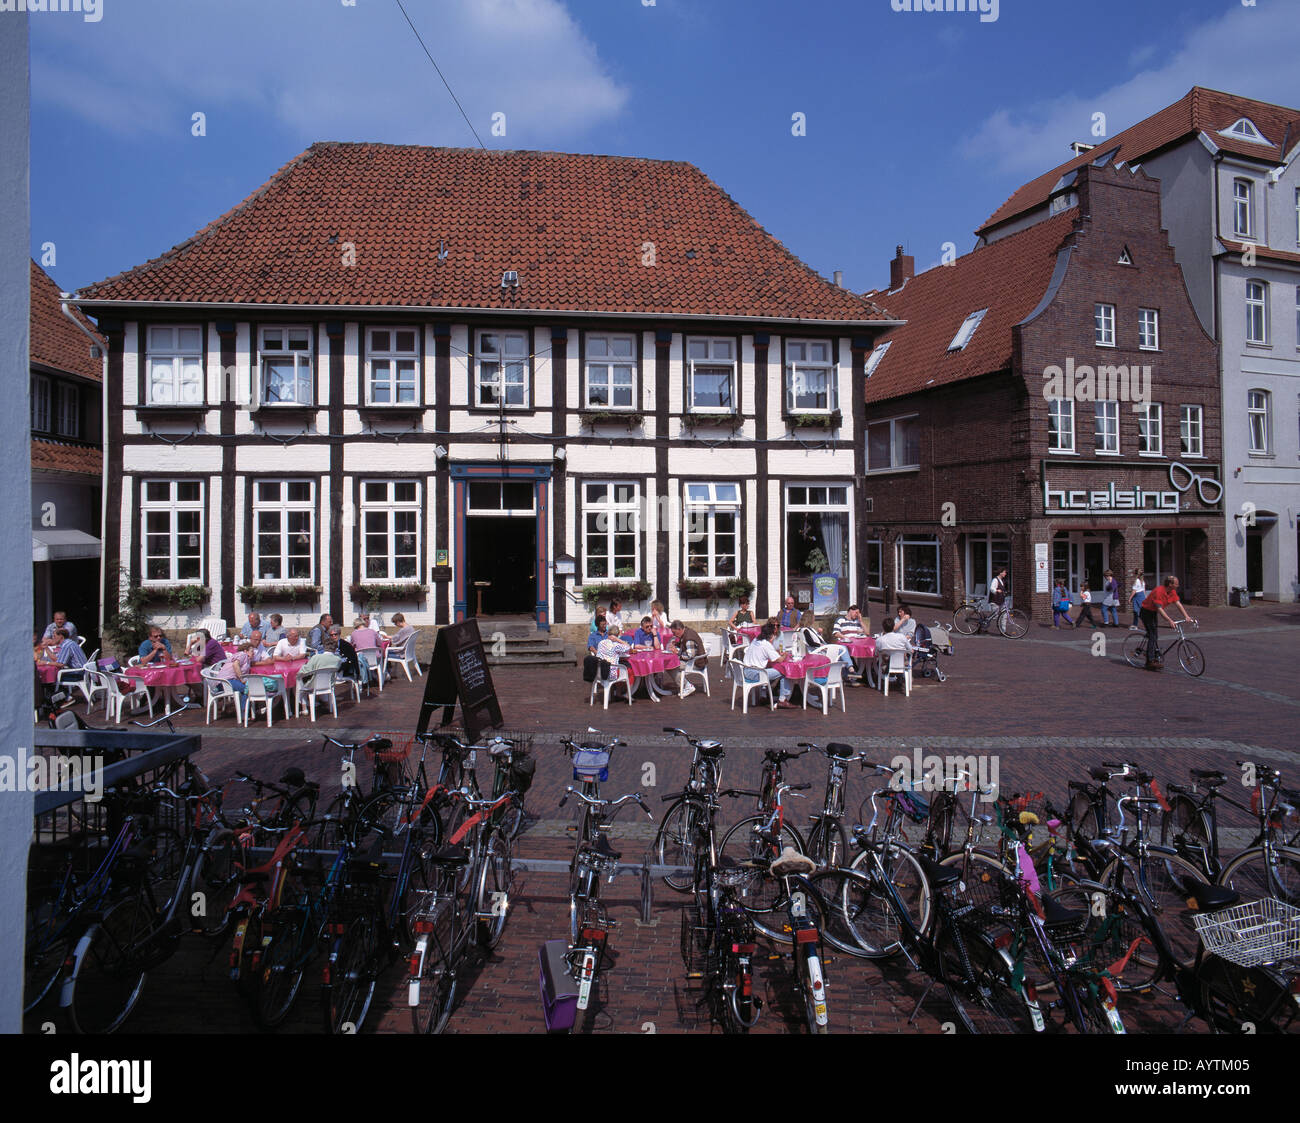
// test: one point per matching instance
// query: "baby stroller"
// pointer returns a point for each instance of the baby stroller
(930, 644)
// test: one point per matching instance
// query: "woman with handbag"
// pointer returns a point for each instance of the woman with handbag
(1137, 594)
(1061, 606)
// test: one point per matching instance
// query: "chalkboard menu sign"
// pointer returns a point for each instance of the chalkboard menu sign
(459, 672)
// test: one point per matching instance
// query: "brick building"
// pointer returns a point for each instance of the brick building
(1051, 406)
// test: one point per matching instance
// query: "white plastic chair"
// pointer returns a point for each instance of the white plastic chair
(216, 626)
(827, 685)
(404, 656)
(812, 638)
(121, 689)
(81, 640)
(372, 663)
(318, 684)
(216, 691)
(134, 661)
(84, 684)
(618, 676)
(733, 647)
(690, 669)
(258, 693)
(900, 663)
(738, 679)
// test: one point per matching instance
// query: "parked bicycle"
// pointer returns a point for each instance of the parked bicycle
(980, 615)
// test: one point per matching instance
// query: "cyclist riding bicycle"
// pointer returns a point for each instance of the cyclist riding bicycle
(1156, 602)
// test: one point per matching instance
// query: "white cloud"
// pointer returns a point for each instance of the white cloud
(325, 71)
(1249, 51)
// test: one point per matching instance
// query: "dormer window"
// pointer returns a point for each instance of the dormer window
(873, 360)
(1063, 202)
(966, 330)
(1244, 129)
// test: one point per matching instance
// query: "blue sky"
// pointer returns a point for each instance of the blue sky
(918, 124)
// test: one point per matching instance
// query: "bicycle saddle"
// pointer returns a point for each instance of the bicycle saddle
(792, 862)
(1210, 898)
(938, 876)
(1209, 776)
(452, 856)
(294, 778)
(602, 847)
(1057, 915)
(710, 748)
(839, 749)
(591, 764)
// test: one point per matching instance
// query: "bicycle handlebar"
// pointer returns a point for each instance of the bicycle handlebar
(607, 804)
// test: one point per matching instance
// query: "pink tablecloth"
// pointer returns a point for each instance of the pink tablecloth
(864, 648)
(49, 673)
(649, 663)
(750, 631)
(798, 668)
(286, 669)
(178, 674)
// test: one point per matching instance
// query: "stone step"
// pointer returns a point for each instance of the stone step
(551, 657)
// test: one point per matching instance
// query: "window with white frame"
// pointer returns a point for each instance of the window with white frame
(810, 377)
(1190, 428)
(1103, 319)
(1258, 419)
(712, 530)
(711, 375)
(501, 369)
(69, 416)
(967, 329)
(1148, 329)
(172, 533)
(894, 444)
(1150, 435)
(1060, 425)
(918, 564)
(390, 530)
(284, 519)
(1256, 311)
(611, 530)
(1107, 430)
(611, 371)
(1243, 208)
(392, 366)
(40, 404)
(174, 361)
(285, 363)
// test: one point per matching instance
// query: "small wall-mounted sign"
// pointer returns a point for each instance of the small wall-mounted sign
(564, 566)
(441, 559)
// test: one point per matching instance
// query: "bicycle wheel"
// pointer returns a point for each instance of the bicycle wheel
(981, 982)
(674, 844)
(1013, 623)
(828, 844)
(802, 901)
(854, 913)
(966, 619)
(1237, 999)
(873, 924)
(280, 976)
(106, 980)
(352, 973)
(812, 986)
(1114, 933)
(45, 948)
(1186, 828)
(432, 1006)
(1191, 658)
(1135, 649)
(1165, 883)
(328, 830)
(495, 883)
(1081, 819)
(1254, 875)
(216, 881)
(756, 891)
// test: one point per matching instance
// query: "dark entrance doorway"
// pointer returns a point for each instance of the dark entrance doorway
(503, 553)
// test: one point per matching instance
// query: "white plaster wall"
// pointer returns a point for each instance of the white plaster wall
(160, 459)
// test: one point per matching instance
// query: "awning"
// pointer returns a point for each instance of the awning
(62, 545)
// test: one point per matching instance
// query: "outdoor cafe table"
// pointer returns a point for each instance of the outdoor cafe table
(647, 664)
(287, 669)
(749, 631)
(49, 672)
(167, 677)
(796, 669)
(863, 652)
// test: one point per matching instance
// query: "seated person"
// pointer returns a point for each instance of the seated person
(895, 640)
(364, 637)
(904, 622)
(205, 649)
(742, 615)
(614, 617)
(597, 633)
(254, 625)
(275, 633)
(404, 631)
(760, 655)
(61, 621)
(645, 636)
(234, 670)
(316, 637)
(41, 649)
(156, 649)
(658, 620)
(321, 661)
(69, 656)
(293, 646)
(789, 616)
(333, 639)
(611, 648)
(690, 649)
(258, 652)
(850, 625)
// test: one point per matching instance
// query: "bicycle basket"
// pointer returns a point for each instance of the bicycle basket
(522, 769)
(402, 743)
(591, 764)
(1265, 931)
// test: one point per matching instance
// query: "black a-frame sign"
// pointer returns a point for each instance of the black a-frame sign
(459, 672)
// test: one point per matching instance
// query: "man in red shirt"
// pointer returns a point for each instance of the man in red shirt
(1157, 601)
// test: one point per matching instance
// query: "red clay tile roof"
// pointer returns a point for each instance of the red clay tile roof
(1262, 253)
(1201, 110)
(1008, 278)
(55, 456)
(575, 227)
(55, 341)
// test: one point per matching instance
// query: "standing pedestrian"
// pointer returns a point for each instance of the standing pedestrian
(1109, 599)
(1137, 594)
(1060, 605)
(1085, 606)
